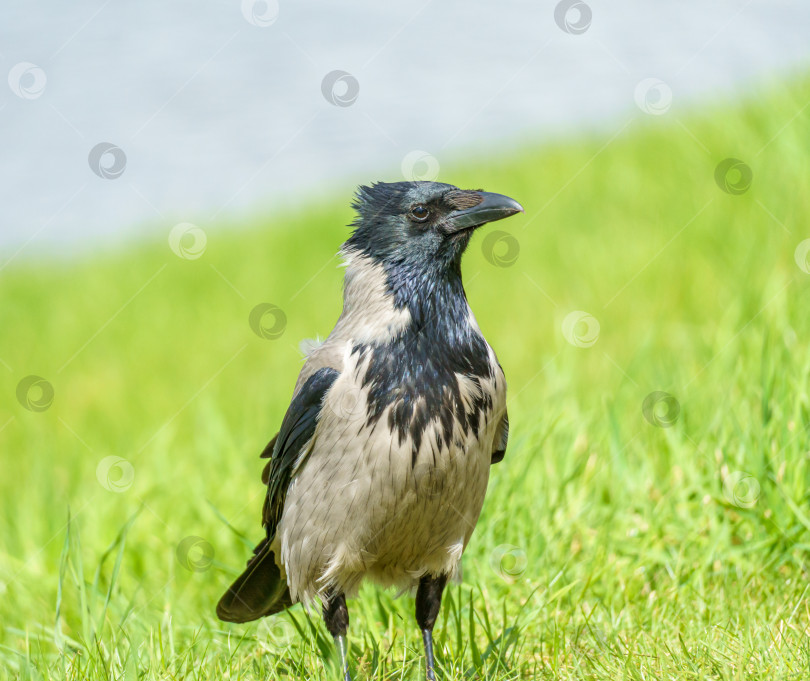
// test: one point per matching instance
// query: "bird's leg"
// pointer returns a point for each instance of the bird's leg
(336, 617)
(428, 601)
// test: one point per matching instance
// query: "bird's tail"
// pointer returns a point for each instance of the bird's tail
(259, 591)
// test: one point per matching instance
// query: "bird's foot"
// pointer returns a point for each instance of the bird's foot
(340, 644)
(430, 663)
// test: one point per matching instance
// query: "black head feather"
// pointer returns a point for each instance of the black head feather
(387, 229)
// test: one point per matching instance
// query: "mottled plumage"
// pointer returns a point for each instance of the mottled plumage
(381, 464)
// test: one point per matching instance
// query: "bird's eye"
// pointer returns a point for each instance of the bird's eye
(420, 213)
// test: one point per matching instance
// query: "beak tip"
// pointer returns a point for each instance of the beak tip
(508, 203)
(516, 207)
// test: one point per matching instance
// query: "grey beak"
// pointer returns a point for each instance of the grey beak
(492, 207)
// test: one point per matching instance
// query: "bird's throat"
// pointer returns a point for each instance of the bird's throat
(433, 296)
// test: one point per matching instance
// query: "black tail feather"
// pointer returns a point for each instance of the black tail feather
(259, 591)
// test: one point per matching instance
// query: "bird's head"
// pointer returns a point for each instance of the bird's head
(421, 226)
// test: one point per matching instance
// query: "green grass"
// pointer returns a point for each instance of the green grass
(608, 548)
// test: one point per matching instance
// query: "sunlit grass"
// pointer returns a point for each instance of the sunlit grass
(609, 547)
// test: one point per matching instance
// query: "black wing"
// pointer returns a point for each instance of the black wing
(501, 438)
(284, 449)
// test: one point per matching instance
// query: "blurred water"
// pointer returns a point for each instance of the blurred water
(219, 117)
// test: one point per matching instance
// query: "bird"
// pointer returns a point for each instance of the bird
(381, 463)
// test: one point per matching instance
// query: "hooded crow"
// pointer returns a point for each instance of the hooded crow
(382, 460)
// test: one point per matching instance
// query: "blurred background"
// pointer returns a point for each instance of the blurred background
(176, 182)
(222, 109)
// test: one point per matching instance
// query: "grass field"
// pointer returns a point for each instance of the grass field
(651, 519)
